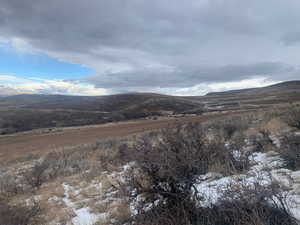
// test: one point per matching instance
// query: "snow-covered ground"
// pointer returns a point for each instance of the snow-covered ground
(83, 216)
(266, 168)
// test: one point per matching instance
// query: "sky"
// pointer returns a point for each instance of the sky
(187, 47)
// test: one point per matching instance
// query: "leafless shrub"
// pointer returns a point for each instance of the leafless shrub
(19, 215)
(227, 128)
(227, 159)
(116, 154)
(238, 141)
(241, 203)
(290, 151)
(262, 142)
(171, 164)
(107, 144)
(9, 185)
(249, 204)
(35, 176)
(292, 117)
(179, 213)
(179, 154)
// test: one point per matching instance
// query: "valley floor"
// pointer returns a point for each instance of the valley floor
(43, 141)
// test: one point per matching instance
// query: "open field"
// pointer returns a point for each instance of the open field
(21, 144)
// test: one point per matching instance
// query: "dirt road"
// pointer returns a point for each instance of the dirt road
(18, 145)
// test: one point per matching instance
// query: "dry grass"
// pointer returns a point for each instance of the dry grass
(276, 126)
(22, 144)
(120, 210)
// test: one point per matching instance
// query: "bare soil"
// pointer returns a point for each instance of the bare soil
(21, 144)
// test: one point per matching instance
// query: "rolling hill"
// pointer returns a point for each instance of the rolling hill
(285, 87)
(27, 112)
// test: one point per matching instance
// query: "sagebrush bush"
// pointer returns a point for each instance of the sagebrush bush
(228, 127)
(35, 176)
(249, 204)
(171, 164)
(9, 185)
(292, 117)
(290, 151)
(240, 203)
(262, 142)
(20, 215)
(227, 159)
(179, 213)
(176, 157)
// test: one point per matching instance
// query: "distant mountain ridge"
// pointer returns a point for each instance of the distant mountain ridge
(109, 103)
(288, 86)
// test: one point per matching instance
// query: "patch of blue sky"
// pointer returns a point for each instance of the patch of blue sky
(38, 65)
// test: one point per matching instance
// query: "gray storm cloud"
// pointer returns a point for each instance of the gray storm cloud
(187, 78)
(158, 43)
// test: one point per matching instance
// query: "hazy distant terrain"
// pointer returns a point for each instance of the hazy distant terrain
(290, 86)
(27, 112)
(253, 98)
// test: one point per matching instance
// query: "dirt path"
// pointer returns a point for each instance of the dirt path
(32, 142)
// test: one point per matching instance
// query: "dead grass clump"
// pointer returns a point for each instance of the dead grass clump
(276, 126)
(115, 154)
(90, 159)
(107, 157)
(120, 211)
(65, 163)
(56, 164)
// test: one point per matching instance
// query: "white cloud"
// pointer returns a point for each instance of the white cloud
(11, 79)
(249, 83)
(205, 88)
(16, 85)
(46, 86)
(21, 45)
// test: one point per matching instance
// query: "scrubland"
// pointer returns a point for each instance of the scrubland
(241, 169)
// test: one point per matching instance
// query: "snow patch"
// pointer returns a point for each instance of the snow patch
(83, 216)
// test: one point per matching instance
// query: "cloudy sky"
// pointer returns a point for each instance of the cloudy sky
(187, 47)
